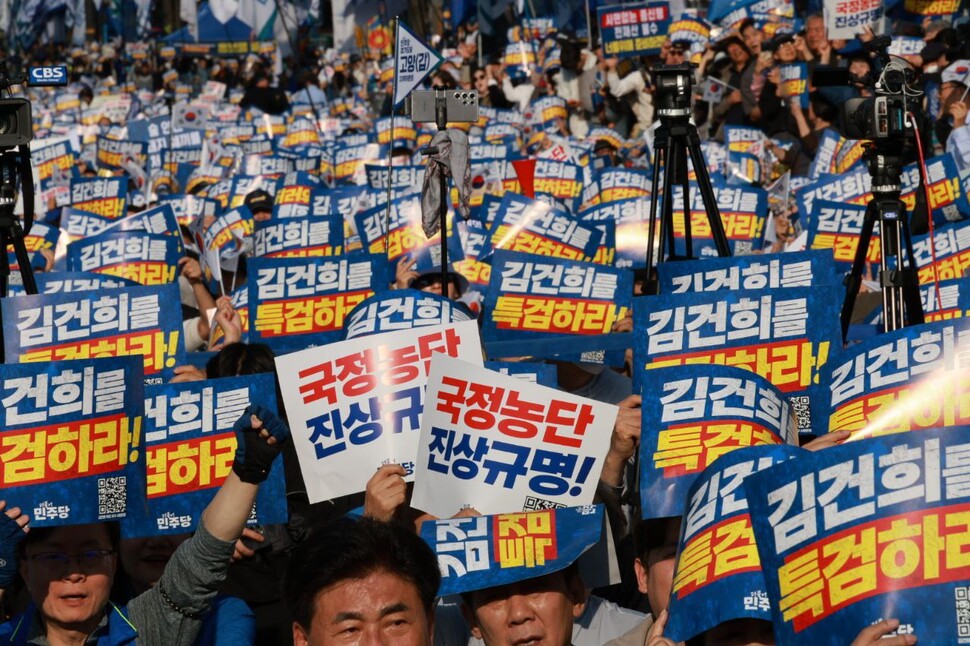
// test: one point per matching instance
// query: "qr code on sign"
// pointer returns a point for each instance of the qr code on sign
(538, 504)
(962, 603)
(112, 494)
(803, 414)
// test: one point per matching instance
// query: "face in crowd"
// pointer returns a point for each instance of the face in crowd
(68, 573)
(537, 611)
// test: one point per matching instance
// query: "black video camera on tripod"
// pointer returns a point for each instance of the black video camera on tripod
(890, 121)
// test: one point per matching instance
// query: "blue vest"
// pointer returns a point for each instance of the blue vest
(120, 630)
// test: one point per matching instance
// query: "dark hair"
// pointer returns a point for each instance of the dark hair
(241, 359)
(353, 548)
(651, 534)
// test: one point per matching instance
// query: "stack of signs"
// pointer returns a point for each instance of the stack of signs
(71, 439)
(765, 331)
(864, 531)
(913, 378)
(694, 414)
(499, 444)
(549, 307)
(358, 404)
(718, 576)
(110, 323)
(487, 551)
(189, 451)
(297, 303)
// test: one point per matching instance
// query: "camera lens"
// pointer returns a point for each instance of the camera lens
(8, 124)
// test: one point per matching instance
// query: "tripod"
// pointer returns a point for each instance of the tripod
(676, 138)
(11, 233)
(901, 302)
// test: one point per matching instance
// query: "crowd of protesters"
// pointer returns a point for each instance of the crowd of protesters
(326, 579)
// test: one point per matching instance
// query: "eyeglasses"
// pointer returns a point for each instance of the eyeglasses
(479, 77)
(59, 563)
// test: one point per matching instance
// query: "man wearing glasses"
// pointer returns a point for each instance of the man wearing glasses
(68, 571)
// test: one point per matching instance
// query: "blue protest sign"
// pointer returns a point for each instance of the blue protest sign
(866, 531)
(543, 374)
(146, 258)
(487, 551)
(80, 325)
(534, 227)
(540, 306)
(77, 281)
(402, 309)
(104, 196)
(694, 414)
(189, 451)
(296, 303)
(784, 335)
(794, 269)
(70, 439)
(907, 379)
(718, 576)
(299, 236)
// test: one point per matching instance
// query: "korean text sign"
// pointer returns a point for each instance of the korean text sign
(189, 451)
(146, 258)
(718, 574)
(794, 269)
(298, 302)
(765, 331)
(694, 414)
(634, 29)
(499, 444)
(868, 530)
(486, 551)
(109, 323)
(913, 378)
(533, 298)
(71, 443)
(357, 404)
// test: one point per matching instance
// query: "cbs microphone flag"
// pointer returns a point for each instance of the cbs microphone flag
(413, 60)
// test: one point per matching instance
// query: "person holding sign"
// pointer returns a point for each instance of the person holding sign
(68, 571)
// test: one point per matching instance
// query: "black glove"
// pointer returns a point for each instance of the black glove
(254, 455)
(11, 533)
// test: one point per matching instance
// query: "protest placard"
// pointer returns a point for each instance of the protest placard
(71, 442)
(845, 533)
(357, 404)
(694, 414)
(189, 447)
(79, 325)
(718, 576)
(488, 551)
(498, 444)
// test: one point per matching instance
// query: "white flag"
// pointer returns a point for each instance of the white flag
(413, 60)
(189, 115)
(713, 90)
(188, 12)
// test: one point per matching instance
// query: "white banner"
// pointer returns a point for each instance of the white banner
(501, 445)
(844, 19)
(356, 405)
(413, 60)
